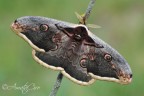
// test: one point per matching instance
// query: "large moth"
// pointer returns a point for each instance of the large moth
(72, 49)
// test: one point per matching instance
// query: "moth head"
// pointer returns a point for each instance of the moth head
(37, 31)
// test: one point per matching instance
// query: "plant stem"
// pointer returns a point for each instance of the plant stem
(88, 11)
(56, 85)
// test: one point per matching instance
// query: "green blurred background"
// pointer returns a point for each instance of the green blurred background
(122, 24)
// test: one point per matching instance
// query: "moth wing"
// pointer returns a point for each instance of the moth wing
(56, 62)
(92, 52)
(66, 57)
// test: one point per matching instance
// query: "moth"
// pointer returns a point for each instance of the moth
(72, 49)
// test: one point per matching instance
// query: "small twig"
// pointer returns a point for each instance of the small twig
(57, 85)
(60, 75)
(88, 10)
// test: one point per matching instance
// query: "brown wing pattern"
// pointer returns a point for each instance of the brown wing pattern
(68, 57)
